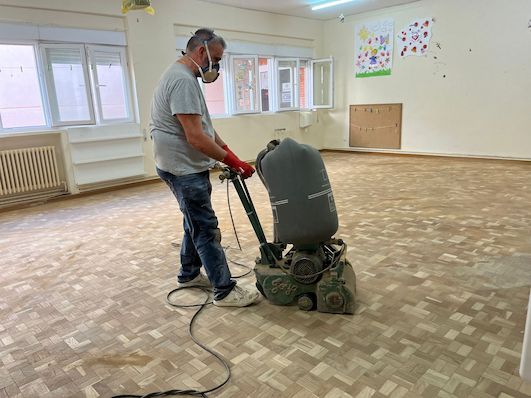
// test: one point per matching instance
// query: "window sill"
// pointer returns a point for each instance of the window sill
(55, 130)
(20, 133)
(111, 138)
(275, 113)
(107, 159)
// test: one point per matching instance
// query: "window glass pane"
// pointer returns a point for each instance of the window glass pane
(245, 85)
(66, 67)
(20, 95)
(111, 85)
(303, 84)
(322, 73)
(264, 67)
(215, 95)
(286, 84)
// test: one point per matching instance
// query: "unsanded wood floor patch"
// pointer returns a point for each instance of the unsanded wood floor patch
(442, 252)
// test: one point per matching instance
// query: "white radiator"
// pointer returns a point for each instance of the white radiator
(29, 170)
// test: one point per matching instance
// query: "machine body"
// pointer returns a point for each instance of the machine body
(314, 272)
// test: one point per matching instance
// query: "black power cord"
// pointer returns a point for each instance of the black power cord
(202, 306)
(195, 393)
(218, 356)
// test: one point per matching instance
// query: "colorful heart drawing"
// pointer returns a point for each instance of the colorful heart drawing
(418, 34)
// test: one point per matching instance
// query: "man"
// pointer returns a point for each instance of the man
(185, 147)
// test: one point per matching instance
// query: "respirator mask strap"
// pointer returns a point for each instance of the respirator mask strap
(196, 64)
(205, 43)
(210, 75)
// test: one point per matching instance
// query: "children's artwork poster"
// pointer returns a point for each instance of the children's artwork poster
(374, 48)
(415, 38)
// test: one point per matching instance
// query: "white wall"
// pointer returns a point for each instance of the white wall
(152, 49)
(483, 105)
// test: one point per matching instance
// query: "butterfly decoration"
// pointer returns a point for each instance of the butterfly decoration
(384, 39)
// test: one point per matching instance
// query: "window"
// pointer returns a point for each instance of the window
(108, 66)
(323, 83)
(244, 69)
(269, 79)
(68, 88)
(70, 93)
(287, 75)
(20, 95)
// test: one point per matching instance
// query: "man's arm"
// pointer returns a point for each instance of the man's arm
(219, 141)
(198, 139)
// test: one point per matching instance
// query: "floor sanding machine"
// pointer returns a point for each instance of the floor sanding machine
(304, 265)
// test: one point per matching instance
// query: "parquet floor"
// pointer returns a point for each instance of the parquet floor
(441, 248)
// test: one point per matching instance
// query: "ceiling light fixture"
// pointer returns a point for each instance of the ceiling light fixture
(330, 4)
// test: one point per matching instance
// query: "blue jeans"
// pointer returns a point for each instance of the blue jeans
(201, 242)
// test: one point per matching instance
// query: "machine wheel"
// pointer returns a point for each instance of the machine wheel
(306, 302)
(260, 288)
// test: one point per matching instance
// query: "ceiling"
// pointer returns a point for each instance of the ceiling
(303, 8)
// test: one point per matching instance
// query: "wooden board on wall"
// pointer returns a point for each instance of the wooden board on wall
(376, 126)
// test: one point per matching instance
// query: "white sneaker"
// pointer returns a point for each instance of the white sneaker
(199, 281)
(238, 297)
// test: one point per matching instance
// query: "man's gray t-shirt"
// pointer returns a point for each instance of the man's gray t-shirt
(178, 92)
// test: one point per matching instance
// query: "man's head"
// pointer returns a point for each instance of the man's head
(205, 49)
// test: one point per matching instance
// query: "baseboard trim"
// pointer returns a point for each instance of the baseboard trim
(43, 195)
(384, 152)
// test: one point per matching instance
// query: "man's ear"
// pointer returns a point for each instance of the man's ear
(201, 51)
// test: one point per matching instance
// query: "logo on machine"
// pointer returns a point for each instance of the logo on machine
(275, 214)
(324, 175)
(280, 284)
(331, 202)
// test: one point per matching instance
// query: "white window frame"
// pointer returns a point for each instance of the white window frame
(90, 49)
(42, 88)
(50, 86)
(257, 97)
(271, 83)
(295, 85)
(330, 104)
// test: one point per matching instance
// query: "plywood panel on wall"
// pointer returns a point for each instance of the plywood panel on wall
(376, 126)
